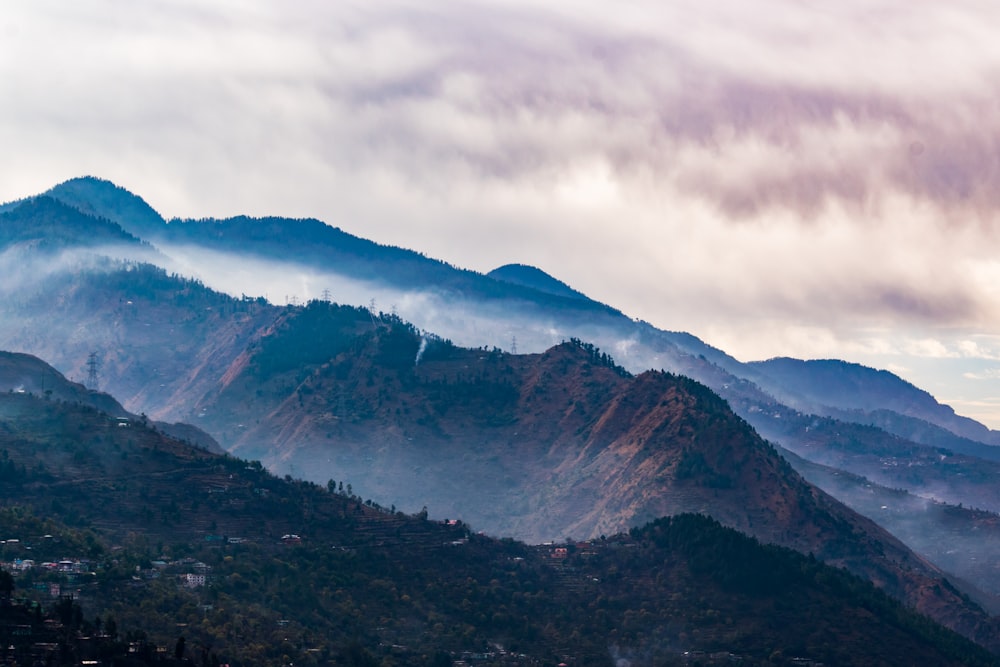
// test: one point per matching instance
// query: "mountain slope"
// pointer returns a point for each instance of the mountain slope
(535, 446)
(358, 580)
(22, 373)
(529, 276)
(533, 306)
(48, 224)
(821, 386)
(962, 540)
(314, 244)
(932, 472)
(103, 199)
(173, 348)
(161, 340)
(327, 249)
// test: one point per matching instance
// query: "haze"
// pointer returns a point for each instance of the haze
(777, 178)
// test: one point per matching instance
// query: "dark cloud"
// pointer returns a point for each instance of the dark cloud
(915, 304)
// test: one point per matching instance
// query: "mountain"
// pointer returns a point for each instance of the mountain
(515, 301)
(103, 199)
(161, 341)
(931, 472)
(48, 224)
(962, 540)
(23, 373)
(835, 388)
(378, 360)
(536, 446)
(535, 278)
(178, 350)
(152, 538)
(313, 243)
(26, 374)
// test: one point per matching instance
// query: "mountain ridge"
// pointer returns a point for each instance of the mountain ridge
(822, 385)
(23, 373)
(77, 192)
(404, 586)
(104, 199)
(166, 341)
(632, 457)
(535, 278)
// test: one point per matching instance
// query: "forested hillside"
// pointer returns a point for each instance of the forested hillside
(149, 540)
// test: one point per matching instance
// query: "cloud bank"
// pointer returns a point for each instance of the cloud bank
(776, 177)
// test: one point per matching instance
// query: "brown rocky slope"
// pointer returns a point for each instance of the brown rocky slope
(561, 444)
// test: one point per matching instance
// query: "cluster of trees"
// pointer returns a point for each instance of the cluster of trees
(599, 358)
(407, 593)
(309, 336)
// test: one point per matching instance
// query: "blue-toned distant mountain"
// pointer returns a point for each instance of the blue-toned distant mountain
(103, 199)
(529, 276)
(857, 393)
(49, 224)
(322, 247)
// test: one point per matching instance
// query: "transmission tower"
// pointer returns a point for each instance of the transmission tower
(513, 344)
(371, 312)
(326, 295)
(93, 371)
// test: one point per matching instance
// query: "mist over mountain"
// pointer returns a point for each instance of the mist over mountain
(296, 260)
(317, 245)
(313, 570)
(962, 540)
(410, 391)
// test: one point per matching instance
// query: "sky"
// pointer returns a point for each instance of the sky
(777, 177)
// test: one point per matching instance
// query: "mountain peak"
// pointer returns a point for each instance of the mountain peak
(102, 198)
(535, 278)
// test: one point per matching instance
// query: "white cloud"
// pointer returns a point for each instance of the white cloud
(977, 350)
(778, 177)
(987, 374)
